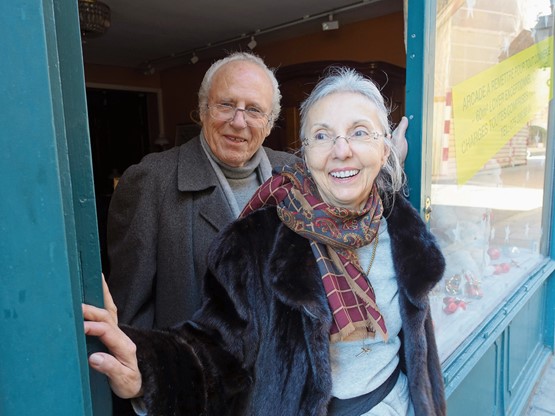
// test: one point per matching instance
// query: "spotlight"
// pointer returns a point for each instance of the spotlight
(330, 24)
(252, 44)
(149, 70)
(194, 58)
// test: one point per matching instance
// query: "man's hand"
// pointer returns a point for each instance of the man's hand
(399, 140)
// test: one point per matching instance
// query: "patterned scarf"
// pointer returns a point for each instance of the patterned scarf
(334, 233)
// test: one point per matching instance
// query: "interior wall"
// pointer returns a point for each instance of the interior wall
(120, 76)
(378, 39)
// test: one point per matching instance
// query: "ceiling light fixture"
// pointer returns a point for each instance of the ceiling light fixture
(252, 44)
(194, 58)
(175, 58)
(149, 70)
(94, 18)
(330, 24)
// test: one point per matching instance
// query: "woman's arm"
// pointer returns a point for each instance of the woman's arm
(199, 367)
(156, 366)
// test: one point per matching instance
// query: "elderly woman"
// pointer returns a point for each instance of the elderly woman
(315, 299)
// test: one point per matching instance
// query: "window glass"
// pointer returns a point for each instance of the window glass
(491, 94)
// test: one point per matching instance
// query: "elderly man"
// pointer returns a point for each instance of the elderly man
(167, 209)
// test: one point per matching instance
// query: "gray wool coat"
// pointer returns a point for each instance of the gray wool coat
(163, 216)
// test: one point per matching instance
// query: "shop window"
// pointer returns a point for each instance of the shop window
(492, 88)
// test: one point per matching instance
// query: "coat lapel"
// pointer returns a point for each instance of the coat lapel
(195, 174)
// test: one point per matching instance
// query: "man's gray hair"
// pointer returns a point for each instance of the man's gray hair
(239, 56)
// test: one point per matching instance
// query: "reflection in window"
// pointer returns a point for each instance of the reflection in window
(492, 91)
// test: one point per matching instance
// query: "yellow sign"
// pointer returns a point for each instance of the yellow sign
(491, 107)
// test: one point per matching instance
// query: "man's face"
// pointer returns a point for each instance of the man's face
(243, 85)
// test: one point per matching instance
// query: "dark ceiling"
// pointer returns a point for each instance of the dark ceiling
(165, 33)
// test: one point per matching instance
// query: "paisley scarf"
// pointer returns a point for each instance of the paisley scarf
(334, 234)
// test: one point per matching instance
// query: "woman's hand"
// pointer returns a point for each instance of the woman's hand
(109, 304)
(120, 365)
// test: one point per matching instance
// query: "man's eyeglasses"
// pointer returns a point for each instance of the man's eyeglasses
(325, 140)
(227, 112)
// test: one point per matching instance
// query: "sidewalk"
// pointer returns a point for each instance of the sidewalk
(543, 398)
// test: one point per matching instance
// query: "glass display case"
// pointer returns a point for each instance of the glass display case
(492, 88)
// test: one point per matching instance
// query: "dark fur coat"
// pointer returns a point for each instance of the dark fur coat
(260, 343)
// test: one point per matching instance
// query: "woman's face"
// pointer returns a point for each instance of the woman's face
(344, 171)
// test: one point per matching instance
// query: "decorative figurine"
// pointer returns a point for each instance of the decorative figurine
(453, 285)
(452, 304)
(472, 287)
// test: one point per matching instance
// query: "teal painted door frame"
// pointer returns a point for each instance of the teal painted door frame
(419, 96)
(49, 254)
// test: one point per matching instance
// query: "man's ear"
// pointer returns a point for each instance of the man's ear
(202, 118)
(268, 128)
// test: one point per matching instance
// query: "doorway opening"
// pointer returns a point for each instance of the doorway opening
(123, 126)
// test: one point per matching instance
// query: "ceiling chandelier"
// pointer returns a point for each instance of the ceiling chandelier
(94, 18)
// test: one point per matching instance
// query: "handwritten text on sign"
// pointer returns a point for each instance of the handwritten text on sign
(491, 107)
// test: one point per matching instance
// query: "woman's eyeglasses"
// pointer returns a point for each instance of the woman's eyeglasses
(325, 140)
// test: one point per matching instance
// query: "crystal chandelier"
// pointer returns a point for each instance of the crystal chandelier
(94, 18)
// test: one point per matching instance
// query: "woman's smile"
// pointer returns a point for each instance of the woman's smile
(344, 174)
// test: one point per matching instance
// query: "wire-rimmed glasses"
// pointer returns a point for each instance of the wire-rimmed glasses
(326, 140)
(253, 116)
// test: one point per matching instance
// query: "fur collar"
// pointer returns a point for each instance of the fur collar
(417, 259)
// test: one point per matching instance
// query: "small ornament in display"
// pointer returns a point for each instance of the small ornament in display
(452, 304)
(472, 286)
(453, 285)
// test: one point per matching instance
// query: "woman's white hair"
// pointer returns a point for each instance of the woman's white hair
(239, 56)
(391, 178)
